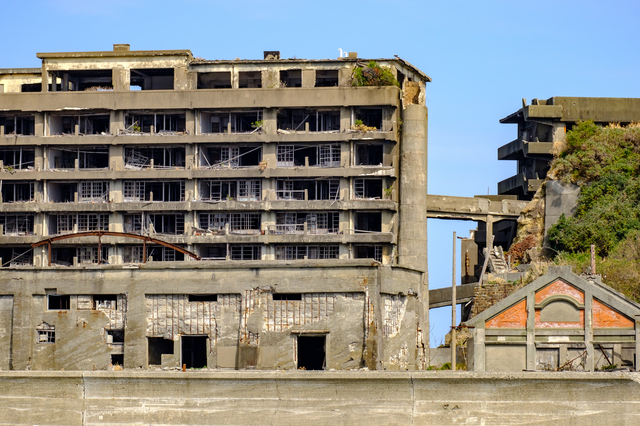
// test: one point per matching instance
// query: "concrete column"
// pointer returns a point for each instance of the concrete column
(190, 156)
(270, 121)
(588, 329)
(270, 79)
(270, 154)
(190, 121)
(116, 121)
(531, 331)
(121, 79)
(23, 332)
(116, 157)
(45, 78)
(345, 119)
(181, 80)
(344, 75)
(489, 231)
(308, 78)
(39, 125)
(478, 349)
(135, 339)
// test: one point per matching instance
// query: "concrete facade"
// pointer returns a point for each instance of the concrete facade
(139, 170)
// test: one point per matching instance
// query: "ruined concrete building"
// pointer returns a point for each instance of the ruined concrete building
(163, 210)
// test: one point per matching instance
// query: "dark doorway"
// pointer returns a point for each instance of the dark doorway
(311, 352)
(157, 347)
(117, 359)
(194, 351)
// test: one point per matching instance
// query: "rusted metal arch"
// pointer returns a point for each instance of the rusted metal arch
(100, 234)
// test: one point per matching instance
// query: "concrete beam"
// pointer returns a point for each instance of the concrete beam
(472, 208)
(440, 297)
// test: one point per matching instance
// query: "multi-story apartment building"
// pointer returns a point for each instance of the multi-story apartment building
(198, 207)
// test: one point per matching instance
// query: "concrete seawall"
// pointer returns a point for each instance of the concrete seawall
(353, 398)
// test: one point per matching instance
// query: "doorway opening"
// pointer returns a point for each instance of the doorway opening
(157, 347)
(194, 351)
(311, 352)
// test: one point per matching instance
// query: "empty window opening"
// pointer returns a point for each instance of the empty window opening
(105, 302)
(16, 191)
(222, 190)
(370, 117)
(311, 352)
(93, 192)
(231, 157)
(157, 346)
(369, 155)
(291, 78)
(230, 121)
(46, 333)
(87, 124)
(171, 191)
(136, 123)
(78, 222)
(307, 252)
(30, 87)
(132, 254)
(315, 155)
(17, 158)
(152, 78)
(87, 157)
(368, 221)
(135, 224)
(168, 157)
(164, 254)
(194, 351)
(16, 257)
(214, 80)
(313, 223)
(82, 80)
(91, 255)
(215, 252)
(62, 256)
(160, 123)
(246, 252)
(203, 298)
(62, 192)
(19, 125)
(250, 79)
(117, 359)
(115, 337)
(17, 224)
(368, 252)
(367, 188)
(312, 189)
(287, 296)
(237, 223)
(317, 120)
(58, 302)
(166, 223)
(326, 78)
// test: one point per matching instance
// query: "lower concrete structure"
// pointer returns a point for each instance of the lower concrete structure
(326, 398)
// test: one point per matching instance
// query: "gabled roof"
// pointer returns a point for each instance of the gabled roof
(600, 291)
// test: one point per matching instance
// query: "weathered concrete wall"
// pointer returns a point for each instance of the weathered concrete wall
(561, 198)
(357, 398)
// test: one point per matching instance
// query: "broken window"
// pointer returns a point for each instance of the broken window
(91, 255)
(17, 158)
(63, 256)
(307, 252)
(311, 352)
(168, 191)
(316, 222)
(17, 224)
(368, 252)
(16, 191)
(58, 302)
(164, 254)
(132, 254)
(369, 155)
(82, 80)
(370, 117)
(246, 252)
(87, 157)
(166, 157)
(152, 78)
(62, 192)
(138, 123)
(157, 346)
(93, 192)
(240, 190)
(24, 125)
(94, 124)
(291, 78)
(166, 223)
(326, 78)
(250, 79)
(230, 121)
(66, 223)
(156, 122)
(239, 223)
(313, 155)
(368, 222)
(105, 302)
(317, 120)
(215, 252)
(194, 351)
(134, 223)
(311, 189)
(115, 337)
(213, 157)
(15, 257)
(214, 80)
(46, 333)
(367, 188)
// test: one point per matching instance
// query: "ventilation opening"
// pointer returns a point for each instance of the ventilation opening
(287, 296)
(115, 337)
(158, 347)
(311, 352)
(57, 302)
(194, 351)
(117, 359)
(203, 298)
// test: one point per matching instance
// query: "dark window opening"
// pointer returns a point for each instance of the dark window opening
(367, 188)
(213, 157)
(164, 254)
(316, 223)
(230, 122)
(369, 155)
(326, 78)
(13, 192)
(246, 252)
(238, 223)
(115, 336)
(311, 352)
(56, 302)
(19, 125)
(167, 223)
(221, 190)
(83, 80)
(87, 125)
(14, 257)
(318, 120)
(18, 158)
(105, 302)
(62, 192)
(300, 252)
(368, 252)
(216, 252)
(17, 224)
(62, 255)
(78, 222)
(31, 87)
(194, 351)
(214, 80)
(287, 296)
(117, 359)
(170, 157)
(291, 78)
(88, 157)
(317, 155)
(250, 79)
(152, 78)
(136, 123)
(370, 117)
(326, 189)
(369, 222)
(203, 298)
(157, 346)
(135, 191)
(400, 78)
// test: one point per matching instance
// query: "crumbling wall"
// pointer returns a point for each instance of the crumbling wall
(487, 295)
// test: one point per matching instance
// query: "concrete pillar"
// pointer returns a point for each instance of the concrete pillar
(344, 75)
(135, 338)
(270, 154)
(23, 332)
(39, 125)
(531, 331)
(190, 122)
(308, 78)
(489, 231)
(270, 121)
(45, 77)
(116, 157)
(270, 79)
(478, 349)
(345, 119)
(121, 79)
(588, 329)
(116, 121)
(181, 78)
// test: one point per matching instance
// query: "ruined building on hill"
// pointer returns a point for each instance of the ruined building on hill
(163, 210)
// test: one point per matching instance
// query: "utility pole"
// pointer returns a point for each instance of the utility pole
(453, 343)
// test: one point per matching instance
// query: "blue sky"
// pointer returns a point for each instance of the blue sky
(483, 56)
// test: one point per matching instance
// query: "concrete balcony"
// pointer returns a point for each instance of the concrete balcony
(519, 149)
(519, 185)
